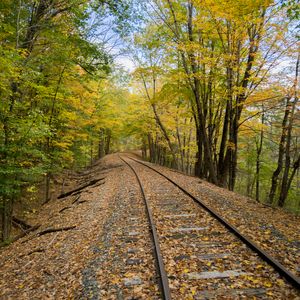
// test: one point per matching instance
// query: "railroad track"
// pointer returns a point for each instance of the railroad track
(199, 254)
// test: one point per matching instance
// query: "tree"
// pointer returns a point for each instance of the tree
(284, 155)
(44, 45)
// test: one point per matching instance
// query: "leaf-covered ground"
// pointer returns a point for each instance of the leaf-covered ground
(107, 252)
(275, 230)
(51, 266)
(195, 245)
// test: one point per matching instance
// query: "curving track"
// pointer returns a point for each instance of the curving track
(199, 254)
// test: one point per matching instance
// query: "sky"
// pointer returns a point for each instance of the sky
(105, 34)
(125, 62)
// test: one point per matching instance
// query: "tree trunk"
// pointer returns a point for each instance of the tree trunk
(222, 168)
(101, 144)
(144, 148)
(164, 132)
(285, 178)
(7, 208)
(249, 181)
(258, 154)
(107, 141)
(198, 163)
(285, 189)
(91, 153)
(188, 153)
(276, 173)
(151, 148)
(47, 187)
(181, 151)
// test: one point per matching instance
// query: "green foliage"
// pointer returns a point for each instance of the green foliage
(49, 78)
(203, 68)
(61, 97)
(292, 8)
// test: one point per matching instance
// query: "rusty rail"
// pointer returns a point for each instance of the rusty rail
(164, 282)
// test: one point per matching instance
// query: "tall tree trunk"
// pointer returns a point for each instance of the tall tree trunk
(258, 154)
(233, 156)
(194, 82)
(188, 153)
(7, 211)
(164, 132)
(254, 33)
(156, 115)
(107, 141)
(6, 201)
(222, 163)
(181, 151)
(151, 148)
(276, 173)
(285, 178)
(49, 146)
(249, 179)
(101, 143)
(144, 148)
(198, 163)
(91, 153)
(285, 189)
(47, 187)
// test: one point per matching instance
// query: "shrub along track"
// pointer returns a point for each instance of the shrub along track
(206, 257)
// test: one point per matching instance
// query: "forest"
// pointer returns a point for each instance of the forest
(210, 88)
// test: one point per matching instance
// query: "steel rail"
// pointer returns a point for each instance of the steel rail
(164, 282)
(288, 275)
